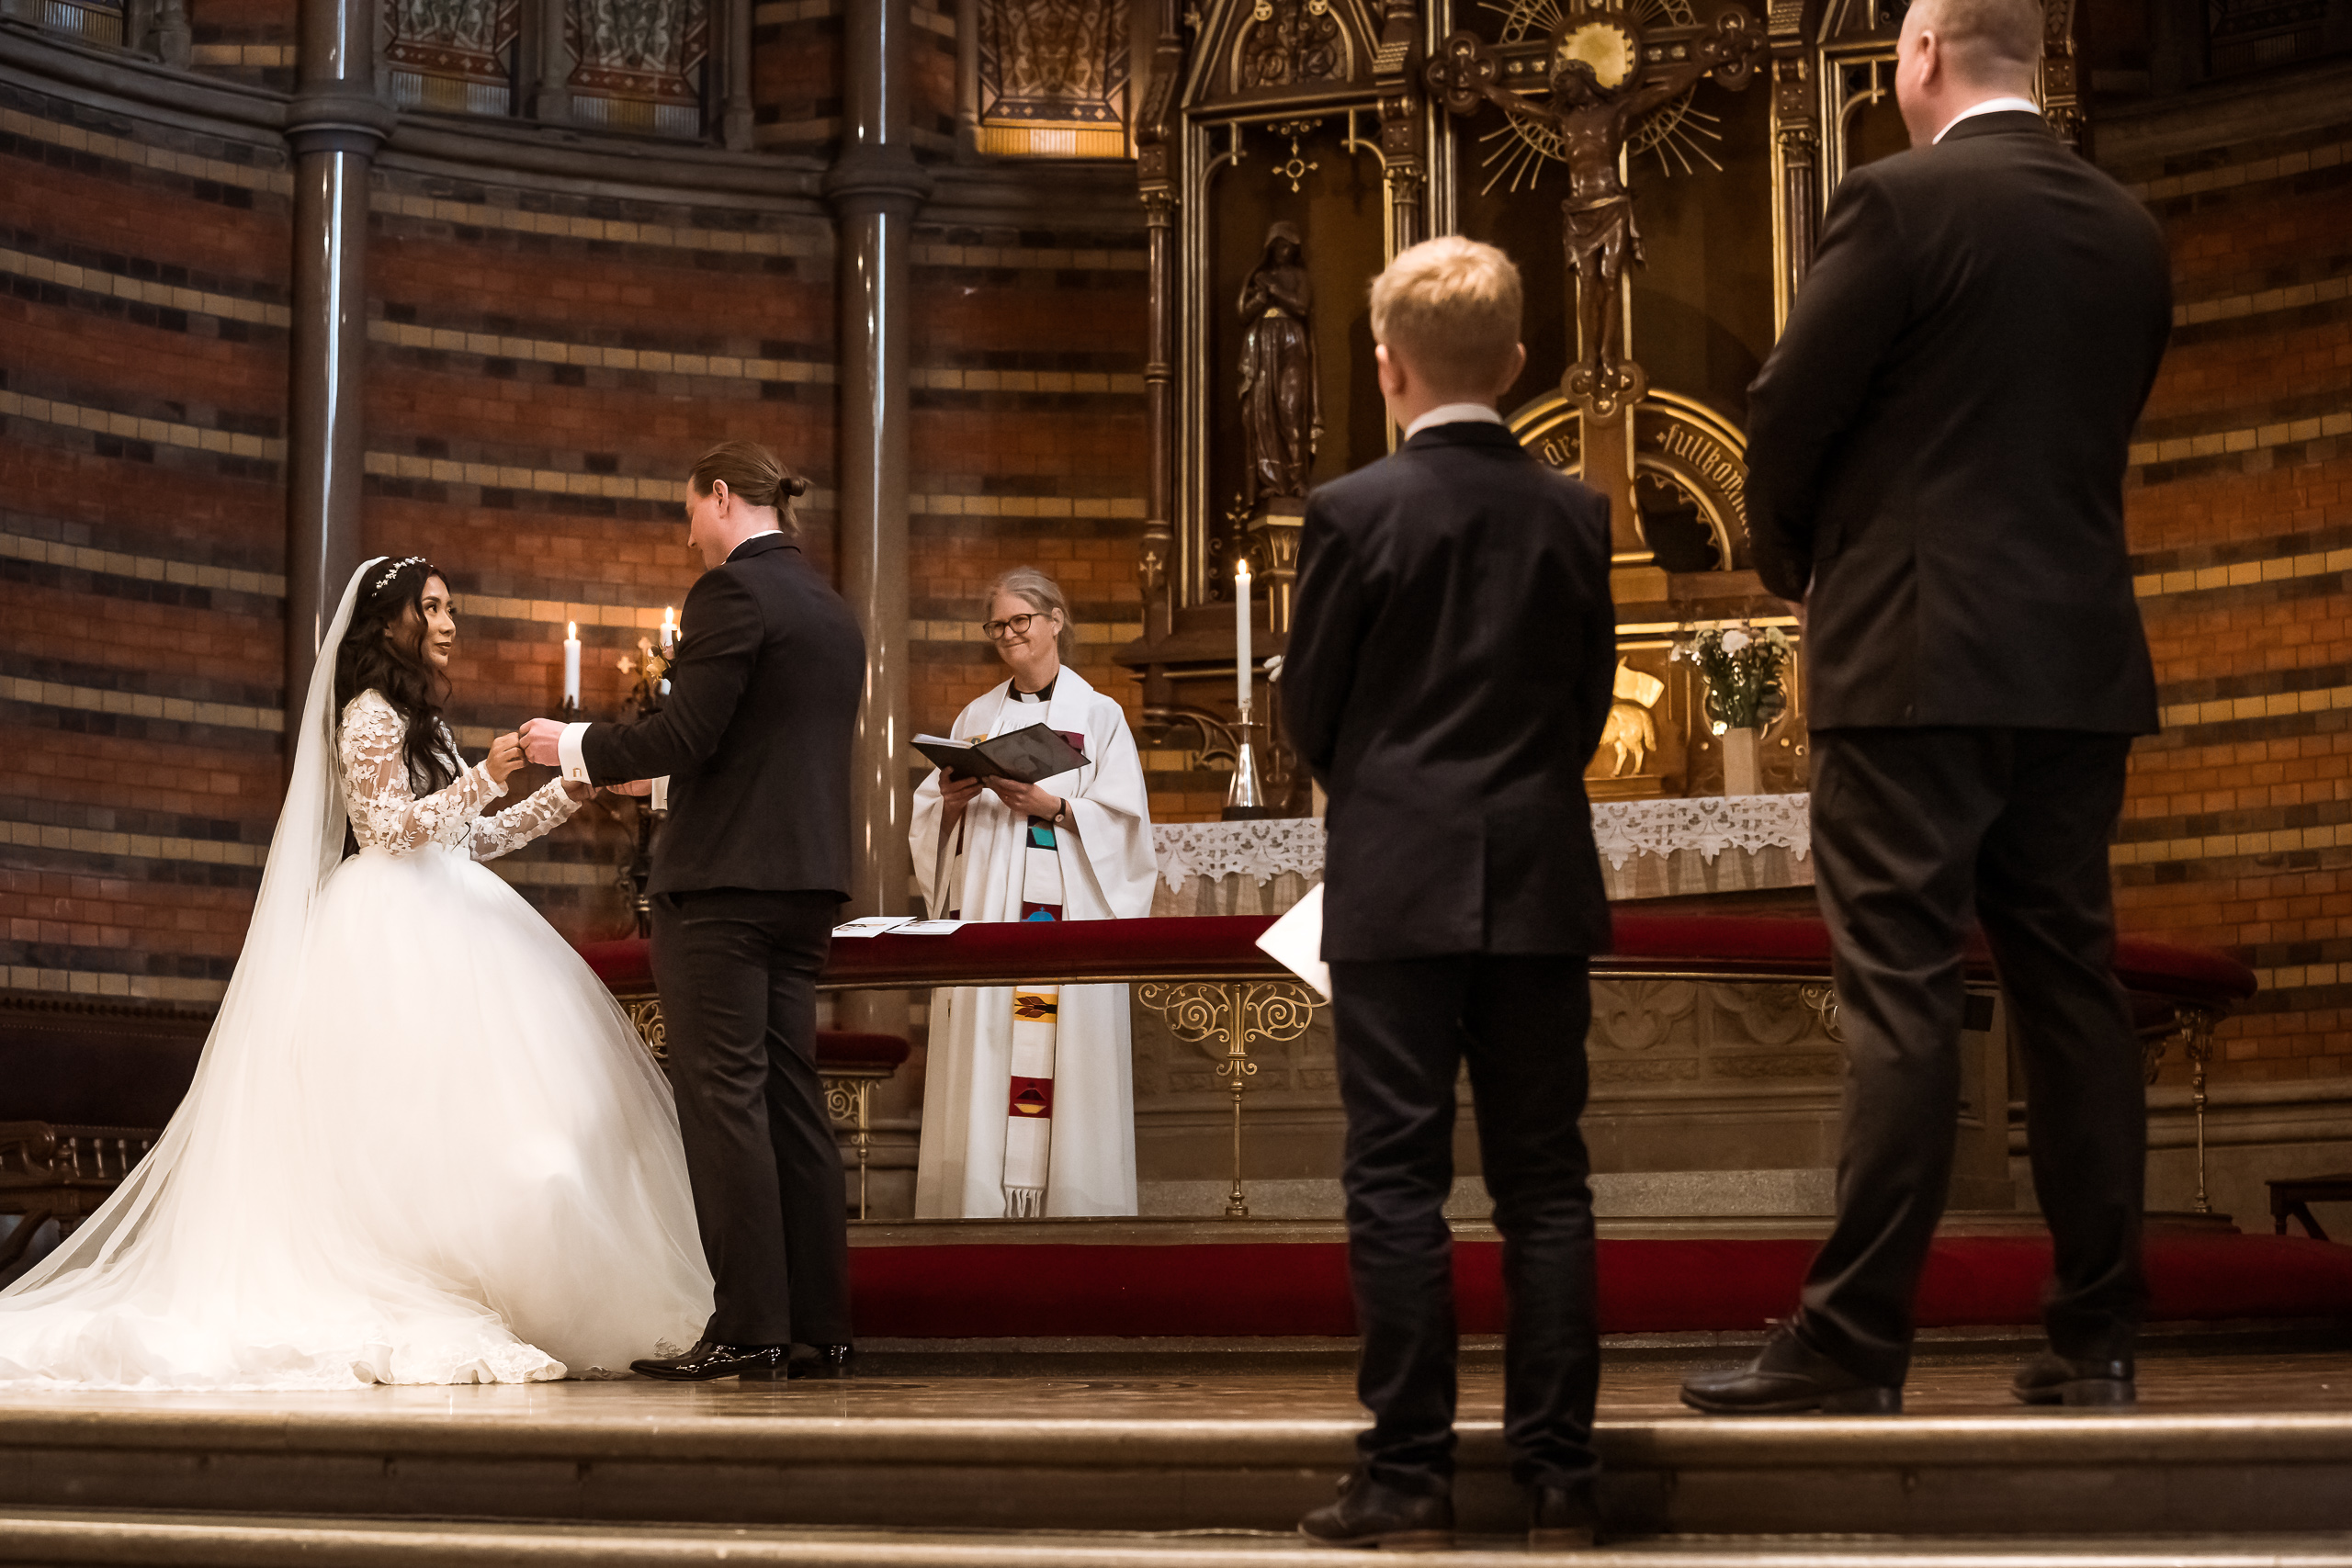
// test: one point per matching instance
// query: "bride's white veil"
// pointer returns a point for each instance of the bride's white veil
(248, 1080)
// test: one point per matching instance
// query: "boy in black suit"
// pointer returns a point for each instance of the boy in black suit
(1447, 679)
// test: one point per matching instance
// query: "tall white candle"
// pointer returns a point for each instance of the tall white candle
(669, 628)
(572, 663)
(1241, 634)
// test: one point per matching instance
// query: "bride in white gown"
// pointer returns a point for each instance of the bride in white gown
(423, 1145)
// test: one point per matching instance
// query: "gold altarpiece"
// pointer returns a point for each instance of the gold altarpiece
(1329, 117)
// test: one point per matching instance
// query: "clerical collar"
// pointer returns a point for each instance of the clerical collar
(1453, 413)
(1043, 695)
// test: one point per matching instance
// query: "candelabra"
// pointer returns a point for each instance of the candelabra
(1246, 796)
(651, 669)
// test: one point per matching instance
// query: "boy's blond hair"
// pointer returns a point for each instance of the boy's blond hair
(1451, 307)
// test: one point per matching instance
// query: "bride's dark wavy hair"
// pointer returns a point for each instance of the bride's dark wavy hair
(383, 649)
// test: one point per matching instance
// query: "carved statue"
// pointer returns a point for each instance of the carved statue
(1282, 411)
(1600, 89)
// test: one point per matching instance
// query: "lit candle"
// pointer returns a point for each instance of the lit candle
(1241, 634)
(669, 628)
(571, 664)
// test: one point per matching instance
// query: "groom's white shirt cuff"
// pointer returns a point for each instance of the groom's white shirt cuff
(567, 754)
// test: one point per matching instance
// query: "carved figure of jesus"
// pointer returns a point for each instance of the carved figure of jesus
(1600, 89)
(1596, 220)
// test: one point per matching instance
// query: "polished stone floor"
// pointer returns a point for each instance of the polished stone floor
(1634, 1388)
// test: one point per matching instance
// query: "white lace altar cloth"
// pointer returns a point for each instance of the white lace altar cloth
(1260, 849)
(1649, 849)
(1708, 824)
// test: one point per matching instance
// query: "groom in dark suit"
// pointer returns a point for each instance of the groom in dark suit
(1936, 451)
(749, 876)
(1447, 676)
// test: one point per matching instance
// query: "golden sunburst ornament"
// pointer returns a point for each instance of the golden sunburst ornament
(1677, 133)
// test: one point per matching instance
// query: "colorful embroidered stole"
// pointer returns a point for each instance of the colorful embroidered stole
(1036, 1034)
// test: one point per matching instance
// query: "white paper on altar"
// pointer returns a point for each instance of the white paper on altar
(873, 925)
(1295, 941)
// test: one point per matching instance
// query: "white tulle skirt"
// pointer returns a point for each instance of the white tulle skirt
(435, 1152)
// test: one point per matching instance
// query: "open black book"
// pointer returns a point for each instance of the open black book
(1024, 756)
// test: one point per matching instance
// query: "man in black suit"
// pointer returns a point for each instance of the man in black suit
(749, 874)
(1937, 447)
(1447, 676)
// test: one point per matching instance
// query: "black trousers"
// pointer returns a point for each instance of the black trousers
(1914, 832)
(738, 973)
(1404, 1029)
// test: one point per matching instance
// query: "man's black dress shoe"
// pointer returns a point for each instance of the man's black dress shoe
(705, 1361)
(1787, 1377)
(1560, 1519)
(1369, 1513)
(823, 1361)
(2052, 1379)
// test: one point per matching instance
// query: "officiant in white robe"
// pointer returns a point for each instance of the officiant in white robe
(1029, 1091)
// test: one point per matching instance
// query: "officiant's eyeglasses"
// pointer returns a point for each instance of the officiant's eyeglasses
(1012, 626)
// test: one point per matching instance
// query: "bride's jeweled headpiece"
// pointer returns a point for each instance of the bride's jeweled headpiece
(394, 571)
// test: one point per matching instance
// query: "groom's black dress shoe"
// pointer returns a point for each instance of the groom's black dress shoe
(2052, 1379)
(705, 1361)
(822, 1361)
(1787, 1377)
(1369, 1513)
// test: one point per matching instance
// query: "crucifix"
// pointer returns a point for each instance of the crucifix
(1606, 72)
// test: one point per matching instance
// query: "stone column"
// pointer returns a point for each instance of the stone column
(735, 103)
(874, 187)
(334, 125)
(968, 76)
(551, 96)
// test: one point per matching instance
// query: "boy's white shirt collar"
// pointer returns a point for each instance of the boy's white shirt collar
(1453, 413)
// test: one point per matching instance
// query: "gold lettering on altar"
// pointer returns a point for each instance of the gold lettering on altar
(1718, 467)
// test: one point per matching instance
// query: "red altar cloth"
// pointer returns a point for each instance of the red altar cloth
(1223, 946)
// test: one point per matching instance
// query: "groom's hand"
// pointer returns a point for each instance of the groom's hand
(539, 738)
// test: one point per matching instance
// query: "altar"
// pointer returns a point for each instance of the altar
(1649, 849)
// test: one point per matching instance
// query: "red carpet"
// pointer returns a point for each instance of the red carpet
(1239, 1288)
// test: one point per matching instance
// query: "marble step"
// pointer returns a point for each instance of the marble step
(786, 1460)
(58, 1538)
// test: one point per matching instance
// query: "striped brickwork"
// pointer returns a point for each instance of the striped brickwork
(143, 392)
(2238, 830)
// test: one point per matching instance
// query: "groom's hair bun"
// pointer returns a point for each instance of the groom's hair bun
(751, 471)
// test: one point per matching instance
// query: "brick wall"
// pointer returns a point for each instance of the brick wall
(542, 367)
(2238, 828)
(1029, 441)
(142, 391)
(245, 40)
(543, 370)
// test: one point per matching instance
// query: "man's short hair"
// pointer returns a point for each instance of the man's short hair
(1990, 43)
(1451, 307)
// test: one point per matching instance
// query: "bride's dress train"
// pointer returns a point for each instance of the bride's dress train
(423, 1146)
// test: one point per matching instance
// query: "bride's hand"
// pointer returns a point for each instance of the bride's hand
(639, 788)
(578, 791)
(505, 756)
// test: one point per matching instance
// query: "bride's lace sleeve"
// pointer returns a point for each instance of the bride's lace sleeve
(385, 810)
(525, 819)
